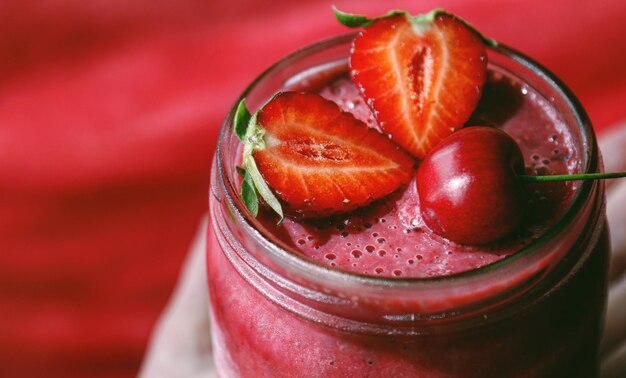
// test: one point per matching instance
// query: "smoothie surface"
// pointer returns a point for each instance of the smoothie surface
(389, 238)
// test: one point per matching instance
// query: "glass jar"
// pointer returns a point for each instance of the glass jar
(536, 313)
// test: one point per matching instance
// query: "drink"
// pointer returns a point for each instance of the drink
(332, 299)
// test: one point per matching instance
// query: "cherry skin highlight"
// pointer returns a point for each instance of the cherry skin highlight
(468, 186)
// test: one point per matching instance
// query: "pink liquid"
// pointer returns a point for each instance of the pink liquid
(255, 337)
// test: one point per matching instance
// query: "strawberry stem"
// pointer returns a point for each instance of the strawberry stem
(572, 177)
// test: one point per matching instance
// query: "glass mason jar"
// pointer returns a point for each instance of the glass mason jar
(536, 313)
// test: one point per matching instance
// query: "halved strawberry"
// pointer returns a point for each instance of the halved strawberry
(422, 76)
(319, 160)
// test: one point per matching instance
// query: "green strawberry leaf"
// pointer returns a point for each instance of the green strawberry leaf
(253, 137)
(242, 119)
(248, 194)
(241, 171)
(430, 17)
(351, 20)
(262, 188)
(360, 21)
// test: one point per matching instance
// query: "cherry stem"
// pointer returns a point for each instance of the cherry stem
(572, 177)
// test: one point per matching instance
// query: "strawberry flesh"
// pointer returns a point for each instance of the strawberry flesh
(319, 160)
(421, 78)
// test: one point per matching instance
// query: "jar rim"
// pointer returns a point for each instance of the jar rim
(301, 263)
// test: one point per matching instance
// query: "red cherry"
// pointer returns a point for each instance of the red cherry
(468, 186)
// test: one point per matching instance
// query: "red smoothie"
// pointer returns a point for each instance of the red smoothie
(376, 293)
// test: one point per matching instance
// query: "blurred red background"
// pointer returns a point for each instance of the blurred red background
(108, 115)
